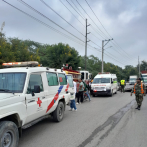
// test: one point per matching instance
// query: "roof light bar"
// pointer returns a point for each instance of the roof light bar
(21, 64)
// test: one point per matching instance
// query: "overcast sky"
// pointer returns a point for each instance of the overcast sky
(124, 20)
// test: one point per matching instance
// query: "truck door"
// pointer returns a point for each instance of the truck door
(37, 103)
(63, 82)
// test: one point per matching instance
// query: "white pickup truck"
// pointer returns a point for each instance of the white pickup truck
(27, 96)
(132, 80)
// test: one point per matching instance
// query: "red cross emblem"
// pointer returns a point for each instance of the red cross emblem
(39, 102)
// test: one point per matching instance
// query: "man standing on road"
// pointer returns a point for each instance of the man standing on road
(81, 90)
(86, 90)
(122, 84)
(139, 91)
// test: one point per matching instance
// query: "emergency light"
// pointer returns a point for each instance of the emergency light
(21, 64)
(104, 73)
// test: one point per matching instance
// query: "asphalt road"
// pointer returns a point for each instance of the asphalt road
(103, 122)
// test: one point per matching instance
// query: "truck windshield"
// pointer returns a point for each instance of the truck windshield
(12, 82)
(101, 80)
(145, 79)
(144, 75)
(132, 79)
(70, 80)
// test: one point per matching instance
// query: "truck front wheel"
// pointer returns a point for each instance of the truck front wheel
(9, 135)
(58, 114)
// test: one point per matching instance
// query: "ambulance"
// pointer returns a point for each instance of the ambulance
(104, 84)
(28, 95)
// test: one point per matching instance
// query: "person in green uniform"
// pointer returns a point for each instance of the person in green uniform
(139, 91)
(122, 84)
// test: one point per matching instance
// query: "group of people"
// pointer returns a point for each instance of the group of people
(139, 90)
(81, 88)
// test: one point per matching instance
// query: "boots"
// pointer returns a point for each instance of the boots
(138, 107)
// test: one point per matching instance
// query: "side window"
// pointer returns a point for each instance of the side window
(52, 79)
(115, 80)
(86, 75)
(35, 79)
(82, 75)
(70, 80)
(62, 79)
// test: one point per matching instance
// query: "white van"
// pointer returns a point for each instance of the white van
(27, 96)
(104, 84)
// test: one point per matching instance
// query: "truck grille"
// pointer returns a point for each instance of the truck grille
(99, 88)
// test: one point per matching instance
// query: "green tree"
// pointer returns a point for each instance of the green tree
(56, 55)
(6, 54)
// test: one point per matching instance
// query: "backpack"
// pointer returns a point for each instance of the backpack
(85, 86)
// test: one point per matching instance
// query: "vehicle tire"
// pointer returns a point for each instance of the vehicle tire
(93, 95)
(9, 135)
(116, 92)
(58, 114)
(111, 94)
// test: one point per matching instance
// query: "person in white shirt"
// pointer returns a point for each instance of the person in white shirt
(72, 98)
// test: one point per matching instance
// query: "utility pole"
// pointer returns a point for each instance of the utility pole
(139, 66)
(86, 45)
(2, 26)
(102, 55)
(103, 52)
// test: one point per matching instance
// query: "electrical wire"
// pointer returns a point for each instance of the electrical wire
(48, 19)
(55, 29)
(90, 17)
(61, 17)
(61, 33)
(72, 13)
(75, 9)
(106, 30)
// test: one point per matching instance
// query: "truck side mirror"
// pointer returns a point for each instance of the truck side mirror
(111, 82)
(36, 89)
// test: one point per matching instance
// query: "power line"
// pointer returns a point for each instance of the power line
(108, 55)
(105, 28)
(90, 17)
(115, 56)
(95, 44)
(97, 32)
(97, 18)
(96, 36)
(77, 19)
(48, 19)
(61, 16)
(44, 16)
(61, 33)
(71, 12)
(75, 9)
(48, 25)
(118, 51)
